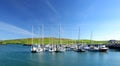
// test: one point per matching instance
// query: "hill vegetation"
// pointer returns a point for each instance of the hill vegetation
(50, 41)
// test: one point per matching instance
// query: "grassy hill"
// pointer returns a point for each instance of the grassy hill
(49, 41)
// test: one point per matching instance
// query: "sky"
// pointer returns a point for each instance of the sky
(99, 17)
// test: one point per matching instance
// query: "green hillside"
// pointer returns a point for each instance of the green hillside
(49, 41)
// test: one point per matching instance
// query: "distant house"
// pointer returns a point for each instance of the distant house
(113, 42)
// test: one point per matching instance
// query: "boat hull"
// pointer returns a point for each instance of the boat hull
(103, 50)
(93, 50)
(33, 51)
(80, 50)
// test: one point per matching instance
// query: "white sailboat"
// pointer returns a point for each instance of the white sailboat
(92, 47)
(79, 47)
(59, 48)
(33, 49)
(39, 49)
(51, 47)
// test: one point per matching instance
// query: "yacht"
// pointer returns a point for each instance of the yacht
(93, 49)
(80, 48)
(59, 49)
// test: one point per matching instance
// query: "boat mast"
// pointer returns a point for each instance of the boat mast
(32, 35)
(79, 35)
(39, 35)
(91, 37)
(51, 37)
(42, 34)
(60, 34)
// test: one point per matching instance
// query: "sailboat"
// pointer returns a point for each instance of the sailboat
(33, 49)
(93, 48)
(79, 48)
(39, 49)
(51, 47)
(59, 47)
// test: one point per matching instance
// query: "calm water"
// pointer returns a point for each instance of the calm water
(18, 55)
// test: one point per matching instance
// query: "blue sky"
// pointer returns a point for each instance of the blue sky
(101, 17)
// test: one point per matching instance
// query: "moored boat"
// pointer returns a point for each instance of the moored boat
(59, 49)
(33, 49)
(103, 48)
(80, 50)
(94, 49)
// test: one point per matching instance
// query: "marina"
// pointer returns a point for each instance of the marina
(77, 47)
(63, 48)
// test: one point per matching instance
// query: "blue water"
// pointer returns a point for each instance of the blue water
(18, 55)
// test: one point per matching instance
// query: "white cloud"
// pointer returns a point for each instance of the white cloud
(14, 29)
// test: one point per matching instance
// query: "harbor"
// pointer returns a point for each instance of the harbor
(59, 33)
